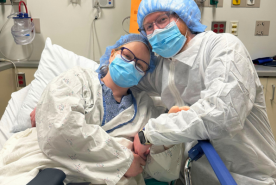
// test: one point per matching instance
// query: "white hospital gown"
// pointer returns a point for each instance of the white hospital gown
(69, 116)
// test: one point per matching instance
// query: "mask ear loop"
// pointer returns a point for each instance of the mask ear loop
(186, 25)
(186, 29)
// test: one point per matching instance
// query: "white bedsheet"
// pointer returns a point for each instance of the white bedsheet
(4, 134)
(10, 114)
(21, 159)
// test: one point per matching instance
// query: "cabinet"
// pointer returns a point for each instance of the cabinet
(270, 100)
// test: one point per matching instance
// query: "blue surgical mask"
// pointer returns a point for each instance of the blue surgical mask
(168, 41)
(124, 74)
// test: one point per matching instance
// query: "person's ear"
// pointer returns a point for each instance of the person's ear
(112, 55)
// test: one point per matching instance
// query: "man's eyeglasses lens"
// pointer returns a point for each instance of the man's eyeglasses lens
(161, 22)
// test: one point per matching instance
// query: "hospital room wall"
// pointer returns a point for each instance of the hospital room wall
(69, 25)
(7, 84)
(258, 46)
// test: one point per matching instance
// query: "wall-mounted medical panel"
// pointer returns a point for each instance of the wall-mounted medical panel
(245, 3)
(262, 28)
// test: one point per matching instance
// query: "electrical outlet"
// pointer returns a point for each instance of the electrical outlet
(262, 28)
(8, 2)
(218, 26)
(234, 27)
(21, 79)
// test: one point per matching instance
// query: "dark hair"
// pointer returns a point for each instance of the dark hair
(104, 70)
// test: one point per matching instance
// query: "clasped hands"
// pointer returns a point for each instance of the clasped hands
(142, 151)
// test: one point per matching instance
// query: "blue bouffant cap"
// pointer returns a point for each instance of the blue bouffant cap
(187, 10)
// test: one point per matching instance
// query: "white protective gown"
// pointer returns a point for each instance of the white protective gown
(216, 78)
(69, 116)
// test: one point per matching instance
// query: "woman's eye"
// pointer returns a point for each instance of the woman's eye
(140, 66)
(128, 57)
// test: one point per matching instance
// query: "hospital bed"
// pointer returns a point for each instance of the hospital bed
(54, 61)
(205, 147)
(56, 177)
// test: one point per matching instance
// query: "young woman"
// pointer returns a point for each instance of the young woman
(86, 120)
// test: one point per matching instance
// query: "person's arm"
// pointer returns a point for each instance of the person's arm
(224, 104)
(32, 116)
(66, 137)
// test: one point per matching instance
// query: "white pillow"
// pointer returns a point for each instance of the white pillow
(10, 114)
(54, 61)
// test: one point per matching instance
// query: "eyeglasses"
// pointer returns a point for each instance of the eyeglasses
(128, 56)
(161, 22)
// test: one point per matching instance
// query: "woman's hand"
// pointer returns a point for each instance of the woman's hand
(136, 166)
(32, 115)
(141, 150)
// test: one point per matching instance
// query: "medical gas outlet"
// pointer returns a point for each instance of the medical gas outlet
(234, 27)
(104, 3)
(250, 2)
(236, 2)
(214, 2)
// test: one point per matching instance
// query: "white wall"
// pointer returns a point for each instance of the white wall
(258, 46)
(70, 25)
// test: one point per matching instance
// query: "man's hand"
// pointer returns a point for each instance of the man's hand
(136, 166)
(176, 109)
(141, 150)
(32, 115)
